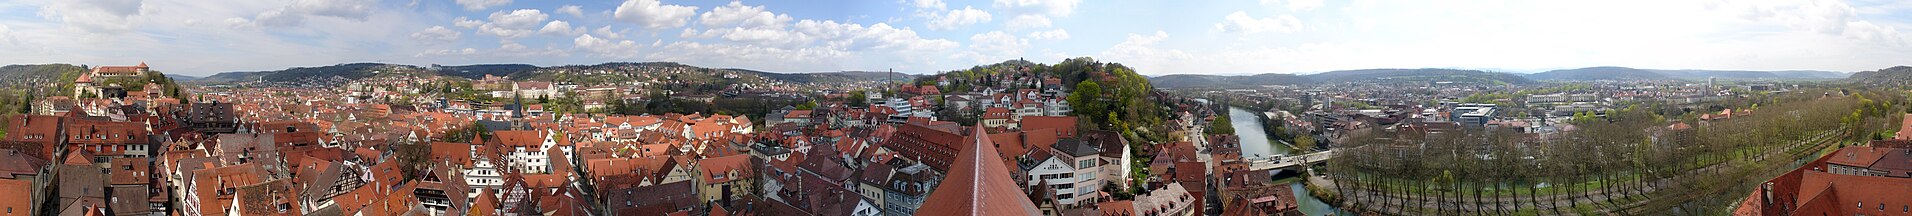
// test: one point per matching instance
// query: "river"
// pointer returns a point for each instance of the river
(1255, 141)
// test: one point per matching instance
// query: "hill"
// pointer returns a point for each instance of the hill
(479, 71)
(1599, 73)
(1106, 96)
(300, 74)
(1424, 75)
(612, 72)
(1371, 76)
(1753, 75)
(183, 78)
(39, 73)
(1197, 80)
(1893, 76)
(1624, 73)
(841, 76)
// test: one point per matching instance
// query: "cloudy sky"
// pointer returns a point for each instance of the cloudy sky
(199, 37)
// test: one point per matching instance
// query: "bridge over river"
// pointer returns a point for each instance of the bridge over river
(1283, 162)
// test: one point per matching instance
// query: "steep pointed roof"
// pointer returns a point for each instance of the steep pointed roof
(84, 78)
(978, 184)
(487, 203)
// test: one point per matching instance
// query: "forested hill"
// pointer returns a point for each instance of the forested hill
(1107, 96)
(1375, 76)
(1898, 76)
(1195, 80)
(17, 74)
(1599, 73)
(345, 71)
(1627, 74)
(613, 72)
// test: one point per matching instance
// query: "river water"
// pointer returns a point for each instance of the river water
(1255, 141)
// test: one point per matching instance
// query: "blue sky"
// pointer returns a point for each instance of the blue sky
(197, 37)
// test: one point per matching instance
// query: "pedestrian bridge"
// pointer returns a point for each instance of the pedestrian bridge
(1283, 162)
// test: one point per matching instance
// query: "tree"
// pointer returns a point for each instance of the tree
(857, 98)
(1221, 125)
(1304, 143)
(413, 157)
(1086, 99)
(807, 105)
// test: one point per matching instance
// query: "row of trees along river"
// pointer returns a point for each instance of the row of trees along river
(1632, 161)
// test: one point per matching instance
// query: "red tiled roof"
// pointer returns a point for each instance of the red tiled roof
(978, 184)
(996, 113)
(1905, 128)
(1065, 126)
(714, 169)
(19, 202)
(1837, 194)
(798, 114)
(519, 138)
(1862, 156)
(117, 70)
(452, 153)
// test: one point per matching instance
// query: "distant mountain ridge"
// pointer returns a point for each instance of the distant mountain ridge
(1384, 76)
(1897, 76)
(528, 72)
(1478, 76)
(37, 71)
(1624, 73)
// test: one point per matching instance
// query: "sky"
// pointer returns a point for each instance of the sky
(200, 37)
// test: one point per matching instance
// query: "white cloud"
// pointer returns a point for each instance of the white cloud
(513, 49)
(446, 52)
(559, 27)
(654, 15)
(1028, 14)
(957, 18)
(881, 36)
(1054, 34)
(572, 10)
(1028, 21)
(1823, 16)
(1044, 7)
(754, 57)
(608, 33)
(1142, 47)
(348, 9)
(515, 24)
(476, 5)
(998, 42)
(521, 18)
(1241, 23)
(806, 45)
(467, 22)
(94, 15)
(928, 4)
(437, 34)
(1304, 5)
(753, 27)
(736, 14)
(1296, 5)
(1863, 30)
(295, 14)
(604, 47)
(6, 35)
